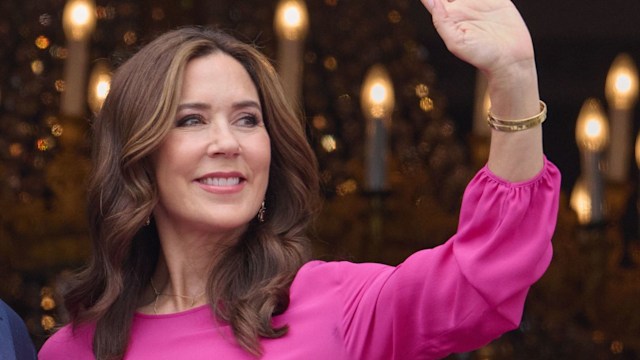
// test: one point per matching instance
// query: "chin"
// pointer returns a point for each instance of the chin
(228, 225)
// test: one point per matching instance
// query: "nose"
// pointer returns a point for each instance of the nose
(222, 140)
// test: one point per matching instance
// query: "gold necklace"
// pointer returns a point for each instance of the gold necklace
(158, 294)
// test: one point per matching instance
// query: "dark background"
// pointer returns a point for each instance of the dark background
(585, 307)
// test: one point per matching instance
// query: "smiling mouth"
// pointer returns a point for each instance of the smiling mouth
(230, 181)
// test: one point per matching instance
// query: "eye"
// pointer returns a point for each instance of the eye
(248, 120)
(189, 120)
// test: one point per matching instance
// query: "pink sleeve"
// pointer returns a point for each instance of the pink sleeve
(466, 292)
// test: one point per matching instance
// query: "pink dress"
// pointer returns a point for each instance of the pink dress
(452, 298)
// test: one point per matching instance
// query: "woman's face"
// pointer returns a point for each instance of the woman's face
(212, 169)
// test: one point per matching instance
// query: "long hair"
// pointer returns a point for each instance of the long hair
(250, 282)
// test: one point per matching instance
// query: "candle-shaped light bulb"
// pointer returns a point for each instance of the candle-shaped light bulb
(592, 136)
(621, 87)
(592, 130)
(79, 19)
(99, 85)
(291, 24)
(377, 96)
(291, 20)
(377, 101)
(580, 202)
(621, 90)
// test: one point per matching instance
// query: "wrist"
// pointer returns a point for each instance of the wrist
(513, 90)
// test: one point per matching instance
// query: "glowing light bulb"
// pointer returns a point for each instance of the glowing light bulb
(621, 86)
(291, 20)
(377, 97)
(580, 202)
(79, 19)
(592, 130)
(99, 85)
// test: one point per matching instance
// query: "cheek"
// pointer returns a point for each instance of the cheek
(262, 153)
(172, 158)
(261, 161)
(262, 167)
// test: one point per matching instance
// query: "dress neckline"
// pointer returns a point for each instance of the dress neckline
(196, 309)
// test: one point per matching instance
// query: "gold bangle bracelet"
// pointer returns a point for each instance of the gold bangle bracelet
(520, 124)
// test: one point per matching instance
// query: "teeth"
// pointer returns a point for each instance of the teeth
(221, 181)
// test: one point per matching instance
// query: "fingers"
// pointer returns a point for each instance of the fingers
(428, 4)
(435, 7)
(439, 11)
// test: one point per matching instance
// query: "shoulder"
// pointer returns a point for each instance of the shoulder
(6, 313)
(14, 337)
(339, 269)
(3, 306)
(319, 276)
(76, 340)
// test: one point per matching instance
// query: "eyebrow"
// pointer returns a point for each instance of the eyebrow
(235, 106)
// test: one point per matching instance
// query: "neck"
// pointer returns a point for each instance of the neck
(177, 288)
(183, 269)
(158, 295)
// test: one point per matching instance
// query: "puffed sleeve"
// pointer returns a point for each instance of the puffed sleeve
(463, 294)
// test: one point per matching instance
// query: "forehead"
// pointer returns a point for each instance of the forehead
(217, 74)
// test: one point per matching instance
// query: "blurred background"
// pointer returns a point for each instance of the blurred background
(395, 121)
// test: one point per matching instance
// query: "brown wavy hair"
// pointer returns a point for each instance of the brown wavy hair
(250, 282)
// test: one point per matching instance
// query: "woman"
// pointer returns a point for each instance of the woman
(204, 185)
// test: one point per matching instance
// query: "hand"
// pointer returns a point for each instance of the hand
(488, 34)
(491, 35)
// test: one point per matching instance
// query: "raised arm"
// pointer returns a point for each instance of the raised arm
(491, 35)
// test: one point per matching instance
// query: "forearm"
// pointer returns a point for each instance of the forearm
(515, 156)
